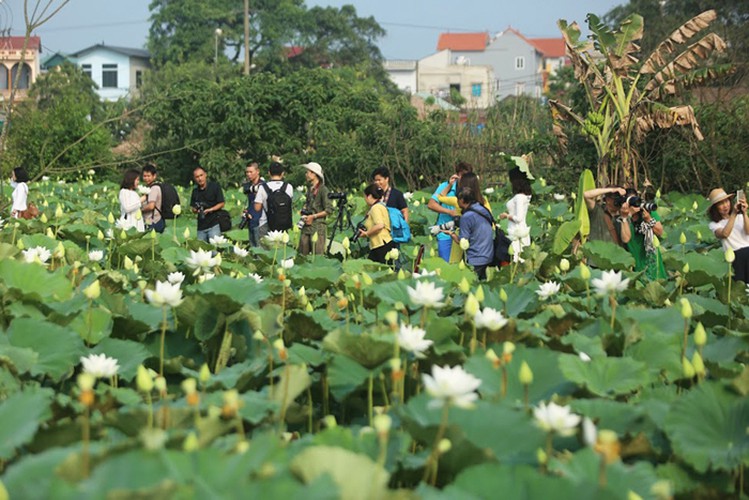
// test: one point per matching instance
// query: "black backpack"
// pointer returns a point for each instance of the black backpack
(169, 198)
(501, 241)
(279, 208)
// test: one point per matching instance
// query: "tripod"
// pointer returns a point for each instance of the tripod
(342, 221)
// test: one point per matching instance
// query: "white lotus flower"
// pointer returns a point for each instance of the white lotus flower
(489, 191)
(91, 171)
(557, 419)
(37, 254)
(274, 237)
(451, 386)
(590, 433)
(201, 260)
(518, 232)
(206, 277)
(426, 294)
(548, 290)
(95, 255)
(408, 196)
(426, 274)
(165, 294)
(412, 339)
(100, 365)
(489, 318)
(143, 189)
(110, 234)
(255, 276)
(175, 278)
(610, 282)
(219, 239)
(45, 178)
(240, 252)
(584, 357)
(287, 264)
(559, 197)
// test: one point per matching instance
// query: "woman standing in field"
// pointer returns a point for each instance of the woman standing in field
(517, 209)
(730, 224)
(131, 202)
(19, 179)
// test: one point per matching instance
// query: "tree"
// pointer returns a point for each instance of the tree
(627, 99)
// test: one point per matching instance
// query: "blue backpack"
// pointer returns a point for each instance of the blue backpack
(399, 228)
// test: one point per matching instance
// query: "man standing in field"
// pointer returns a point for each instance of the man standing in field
(206, 200)
(152, 208)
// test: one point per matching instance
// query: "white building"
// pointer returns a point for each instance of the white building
(117, 71)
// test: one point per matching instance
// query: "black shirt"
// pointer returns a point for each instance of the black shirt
(208, 197)
(395, 199)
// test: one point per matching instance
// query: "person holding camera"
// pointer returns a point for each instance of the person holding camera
(730, 224)
(317, 206)
(604, 225)
(639, 224)
(273, 202)
(206, 200)
(376, 224)
(445, 211)
(251, 216)
(476, 226)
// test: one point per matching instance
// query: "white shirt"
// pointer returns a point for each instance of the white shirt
(20, 195)
(262, 197)
(130, 215)
(738, 237)
(517, 208)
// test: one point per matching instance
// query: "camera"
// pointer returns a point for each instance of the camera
(447, 226)
(248, 187)
(200, 207)
(304, 212)
(359, 227)
(337, 196)
(244, 220)
(636, 201)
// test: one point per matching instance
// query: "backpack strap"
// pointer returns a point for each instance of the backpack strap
(485, 216)
(162, 198)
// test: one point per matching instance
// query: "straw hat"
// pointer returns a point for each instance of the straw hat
(315, 168)
(717, 195)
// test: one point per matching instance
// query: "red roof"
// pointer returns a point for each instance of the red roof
(549, 47)
(462, 42)
(16, 43)
(293, 51)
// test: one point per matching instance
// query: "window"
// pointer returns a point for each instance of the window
(4, 84)
(109, 76)
(476, 90)
(86, 70)
(520, 62)
(138, 79)
(25, 79)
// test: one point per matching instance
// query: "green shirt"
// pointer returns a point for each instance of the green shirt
(651, 263)
(316, 203)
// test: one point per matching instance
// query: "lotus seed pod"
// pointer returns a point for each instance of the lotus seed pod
(525, 375)
(700, 336)
(177, 209)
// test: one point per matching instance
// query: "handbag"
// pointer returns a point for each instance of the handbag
(31, 212)
(224, 220)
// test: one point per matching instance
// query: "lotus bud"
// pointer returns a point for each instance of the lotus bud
(92, 291)
(285, 238)
(189, 385)
(685, 269)
(683, 238)
(525, 375)
(86, 381)
(20, 245)
(730, 255)
(541, 456)
(395, 364)
(462, 265)
(152, 235)
(432, 253)
(695, 206)
(464, 244)
(686, 368)
(667, 302)
(346, 243)
(191, 443)
(110, 218)
(58, 212)
(100, 235)
(366, 279)
(382, 424)
(50, 234)
(662, 489)
(503, 295)
(699, 236)
(444, 446)
(258, 336)
(309, 307)
(123, 234)
(492, 356)
(177, 209)
(698, 364)
(96, 196)
(631, 495)
(656, 242)
(330, 421)
(700, 336)
(60, 251)
(584, 272)
(401, 274)
(391, 317)
(205, 374)
(564, 265)
(508, 348)
(417, 203)
(686, 308)
(143, 379)
(480, 293)
(608, 445)
(127, 263)
(399, 306)
(315, 237)
(472, 305)
(186, 233)
(160, 384)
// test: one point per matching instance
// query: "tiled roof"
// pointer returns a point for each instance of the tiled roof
(16, 43)
(462, 42)
(549, 47)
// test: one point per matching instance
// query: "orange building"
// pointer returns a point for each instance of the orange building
(17, 68)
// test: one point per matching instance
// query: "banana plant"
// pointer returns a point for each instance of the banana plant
(626, 97)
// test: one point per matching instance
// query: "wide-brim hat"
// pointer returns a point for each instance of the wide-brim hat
(315, 168)
(717, 195)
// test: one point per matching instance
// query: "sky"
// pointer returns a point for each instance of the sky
(412, 26)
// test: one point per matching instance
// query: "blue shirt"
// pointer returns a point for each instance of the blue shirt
(480, 235)
(443, 218)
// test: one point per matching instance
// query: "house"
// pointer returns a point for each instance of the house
(117, 71)
(17, 67)
(521, 66)
(440, 74)
(403, 73)
(55, 60)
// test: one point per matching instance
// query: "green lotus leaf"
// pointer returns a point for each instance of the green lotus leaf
(704, 269)
(369, 350)
(395, 291)
(129, 355)
(20, 416)
(608, 256)
(308, 325)
(59, 348)
(606, 377)
(345, 375)
(175, 255)
(350, 471)
(301, 353)
(624, 418)
(93, 324)
(35, 281)
(22, 359)
(661, 353)
(708, 428)
(31, 476)
(316, 277)
(229, 295)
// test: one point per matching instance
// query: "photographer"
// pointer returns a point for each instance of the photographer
(730, 224)
(251, 214)
(639, 222)
(476, 227)
(376, 225)
(604, 225)
(317, 206)
(445, 211)
(206, 200)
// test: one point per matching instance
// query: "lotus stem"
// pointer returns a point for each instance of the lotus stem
(430, 469)
(383, 389)
(684, 342)
(163, 338)
(370, 399)
(85, 459)
(613, 303)
(730, 276)
(310, 409)
(282, 417)
(503, 391)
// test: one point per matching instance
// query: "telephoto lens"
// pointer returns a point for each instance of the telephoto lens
(359, 227)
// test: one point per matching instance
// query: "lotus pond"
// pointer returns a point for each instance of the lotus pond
(157, 366)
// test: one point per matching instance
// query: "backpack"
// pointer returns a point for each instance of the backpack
(224, 220)
(169, 198)
(501, 241)
(279, 208)
(399, 228)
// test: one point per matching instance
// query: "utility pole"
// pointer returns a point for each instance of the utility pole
(246, 37)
